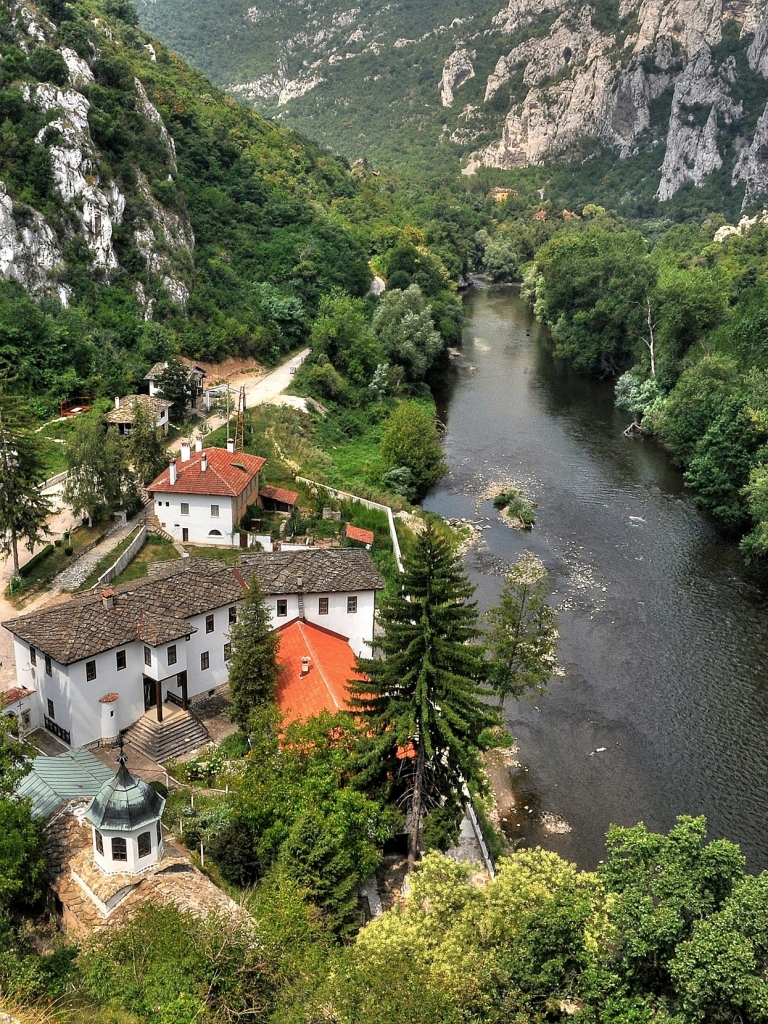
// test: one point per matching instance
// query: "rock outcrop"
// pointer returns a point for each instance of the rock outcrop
(457, 70)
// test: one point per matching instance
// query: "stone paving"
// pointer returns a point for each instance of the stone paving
(77, 573)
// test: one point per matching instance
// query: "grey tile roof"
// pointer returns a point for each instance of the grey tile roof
(76, 775)
(152, 610)
(320, 570)
(124, 803)
(124, 412)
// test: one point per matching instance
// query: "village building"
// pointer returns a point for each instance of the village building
(277, 499)
(315, 666)
(123, 415)
(203, 495)
(359, 535)
(195, 380)
(141, 654)
(106, 850)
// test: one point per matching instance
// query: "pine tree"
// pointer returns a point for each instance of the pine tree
(423, 696)
(23, 509)
(173, 385)
(252, 664)
(522, 640)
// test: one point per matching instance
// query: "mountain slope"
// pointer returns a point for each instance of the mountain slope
(148, 212)
(678, 87)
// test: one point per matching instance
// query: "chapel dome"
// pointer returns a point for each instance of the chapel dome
(124, 803)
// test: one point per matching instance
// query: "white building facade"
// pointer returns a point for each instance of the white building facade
(94, 666)
(203, 495)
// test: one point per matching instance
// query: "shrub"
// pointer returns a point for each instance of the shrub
(69, 550)
(25, 570)
(47, 65)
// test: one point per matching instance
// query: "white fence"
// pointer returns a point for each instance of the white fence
(127, 556)
(53, 480)
(345, 496)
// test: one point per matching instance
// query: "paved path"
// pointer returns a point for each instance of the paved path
(79, 571)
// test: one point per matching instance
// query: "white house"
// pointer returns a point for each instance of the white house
(92, 667)
(122, 416)
(330, 587)
(195, 380)
(202, 496)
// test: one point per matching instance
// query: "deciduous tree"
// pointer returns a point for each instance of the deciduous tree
(411, 440)
(522, 639)
(97, 470)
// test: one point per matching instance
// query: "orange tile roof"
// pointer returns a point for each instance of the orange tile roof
(228, 473)
(279, 494)
(331, 666)
(15, 693)
(357, 533)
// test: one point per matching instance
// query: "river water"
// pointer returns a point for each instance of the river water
(663, 637)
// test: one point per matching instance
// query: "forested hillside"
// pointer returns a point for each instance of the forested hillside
(655, 105)
(143, 212)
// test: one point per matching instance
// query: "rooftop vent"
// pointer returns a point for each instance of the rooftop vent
(108, 599)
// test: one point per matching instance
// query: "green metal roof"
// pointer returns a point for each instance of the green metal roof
(125, 802)
(75, 775)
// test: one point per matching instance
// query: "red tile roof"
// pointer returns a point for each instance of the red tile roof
(228, 473)
(15, 693)
(356, 533)
(279, 494)
(331, 666)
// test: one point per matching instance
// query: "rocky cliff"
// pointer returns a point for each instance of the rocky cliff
(684, 82)
(87, 201)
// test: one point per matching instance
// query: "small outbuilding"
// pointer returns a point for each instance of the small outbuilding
(359, 535)
(277, 499)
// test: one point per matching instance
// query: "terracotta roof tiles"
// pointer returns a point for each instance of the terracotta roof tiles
(227, 473)
(279, 494)
(331, 666)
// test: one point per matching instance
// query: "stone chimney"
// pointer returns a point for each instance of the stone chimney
(185, 451)
(108, 599)
(231, 446)
(172, 471)
(117, 401)
(198, 443)
(203, 463)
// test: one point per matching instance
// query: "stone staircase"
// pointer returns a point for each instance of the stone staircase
(153, 523)
(178, 733)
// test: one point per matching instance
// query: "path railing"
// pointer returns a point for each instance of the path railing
(125, 558)
(346, 496)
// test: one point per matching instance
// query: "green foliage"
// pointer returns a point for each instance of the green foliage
(522, 638)
(174, 386)
(410, 441)
(47, 65)
(252, 664)
(22, 857)
(517, 506)
(342, 334)
(97, 470)
(148, 455)
(422, 694)
(404, 328)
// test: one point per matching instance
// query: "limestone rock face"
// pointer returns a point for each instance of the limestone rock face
(166, 242)
(29, 252)
(585, 82)
(457, 70)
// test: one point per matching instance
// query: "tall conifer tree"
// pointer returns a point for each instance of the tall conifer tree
(252, 665)
(23, 509)
(422, 697)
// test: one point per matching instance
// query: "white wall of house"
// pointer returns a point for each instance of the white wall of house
(357, 626)
(200, 680)
(203, 526)
(133, 863)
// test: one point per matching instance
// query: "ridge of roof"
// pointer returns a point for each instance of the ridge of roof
(228, 473)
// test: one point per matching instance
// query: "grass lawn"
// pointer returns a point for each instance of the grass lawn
(157, 549)
(227, 555)
(109, 559)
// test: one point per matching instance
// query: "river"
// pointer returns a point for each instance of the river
(663, 636)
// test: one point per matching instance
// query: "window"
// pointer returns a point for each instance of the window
(99, 842)
(48, 669)
(185, 508)
(167, 504)
(159, 504)
(205, 661)
(214, 533)
(147, 656)
(209, 623)
(322, 606)
(227, 652)
(51, 712)
(33, 655)
(172, 654)
(351, 604)
(145, 844)
(119, 849)
(214, 511)
(232, 615)
(282, 608)
(159, 834)
(90, 670)
(120, 658)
